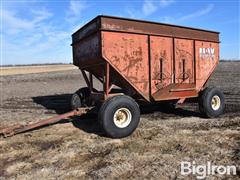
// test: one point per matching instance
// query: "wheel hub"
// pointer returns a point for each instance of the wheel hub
(216, 102)
(122, 117)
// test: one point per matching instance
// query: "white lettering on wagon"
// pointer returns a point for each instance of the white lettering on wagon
(207, 53)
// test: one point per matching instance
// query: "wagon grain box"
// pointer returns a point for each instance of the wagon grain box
(147, 61)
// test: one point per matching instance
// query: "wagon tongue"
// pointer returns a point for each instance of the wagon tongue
(18, 128)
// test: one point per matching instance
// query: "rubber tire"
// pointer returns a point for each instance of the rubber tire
(106, 113)
(79, 98)
(205, 99)
(76, 101)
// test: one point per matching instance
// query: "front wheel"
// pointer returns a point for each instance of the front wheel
(81, 98)
(119, 116)
(211, 102)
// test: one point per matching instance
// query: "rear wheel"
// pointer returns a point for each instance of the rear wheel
(119, 116)
(211, 102)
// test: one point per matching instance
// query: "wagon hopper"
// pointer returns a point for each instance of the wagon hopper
(148, 61)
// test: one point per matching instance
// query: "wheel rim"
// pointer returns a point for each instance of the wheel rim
(216, 102)
(122, 117)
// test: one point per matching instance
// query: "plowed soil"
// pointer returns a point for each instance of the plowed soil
(78, 149)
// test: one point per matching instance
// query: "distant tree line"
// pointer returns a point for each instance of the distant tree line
(229, 60)
(16, 65)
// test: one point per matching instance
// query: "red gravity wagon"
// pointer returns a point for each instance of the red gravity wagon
(147, 61)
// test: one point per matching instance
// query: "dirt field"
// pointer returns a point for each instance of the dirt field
(77, 149)
(5, 71)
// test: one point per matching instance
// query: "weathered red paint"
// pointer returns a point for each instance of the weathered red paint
(128, 54)
(161, 62)
(152, 60)
(184, 61)
(205, 62)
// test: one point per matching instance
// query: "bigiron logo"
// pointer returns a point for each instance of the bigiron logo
(204, 170)
(207, 53)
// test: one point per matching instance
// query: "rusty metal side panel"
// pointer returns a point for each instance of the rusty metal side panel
(184, 61)
(87, 51)
(128, 54)
(207, 58)
(151, 28)
(161, 62)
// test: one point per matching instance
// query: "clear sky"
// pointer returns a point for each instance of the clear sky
(39, 31)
